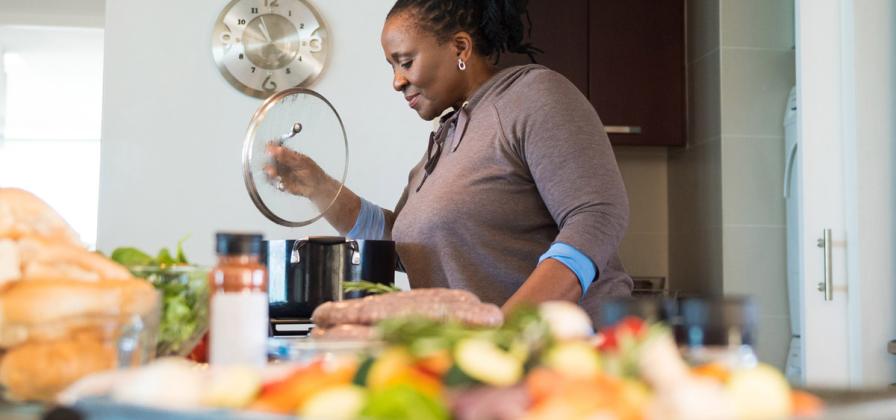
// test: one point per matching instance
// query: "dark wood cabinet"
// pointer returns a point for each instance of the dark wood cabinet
(626, 56)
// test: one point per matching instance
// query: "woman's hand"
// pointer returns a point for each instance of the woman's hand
(298, 174)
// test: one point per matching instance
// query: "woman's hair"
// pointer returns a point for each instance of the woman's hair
(495, 25)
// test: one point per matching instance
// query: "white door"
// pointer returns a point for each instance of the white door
(820, 178)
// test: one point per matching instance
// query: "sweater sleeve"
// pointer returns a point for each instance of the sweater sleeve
(370, 223)
(560, 139)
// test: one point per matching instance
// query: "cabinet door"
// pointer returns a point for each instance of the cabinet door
(637, 69)
(561, 31)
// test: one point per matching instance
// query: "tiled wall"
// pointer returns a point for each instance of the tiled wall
(726, 210)
(757, 72)
(645, 249)
(694, 173)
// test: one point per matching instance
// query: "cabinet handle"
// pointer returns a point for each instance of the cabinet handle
(622, 129)
(828, 285)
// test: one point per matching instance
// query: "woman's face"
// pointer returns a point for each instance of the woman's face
(424, 70)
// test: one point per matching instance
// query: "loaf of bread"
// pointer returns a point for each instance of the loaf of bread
(62, 306)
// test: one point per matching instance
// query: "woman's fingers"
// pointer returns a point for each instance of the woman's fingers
(291, 170)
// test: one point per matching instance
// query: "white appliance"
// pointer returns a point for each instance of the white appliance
(793, 366)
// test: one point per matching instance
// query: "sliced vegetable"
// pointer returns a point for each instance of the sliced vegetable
(759, 393)
(233, 387)
(337, 403)
(481, 359)
(628, 329)
(396, 366)
(456, 378)
(360, 378)
(804, 404)
(566, 320)
(436, 363)
(575, 359)
(290, 393)
(403, 402)
(389, 367)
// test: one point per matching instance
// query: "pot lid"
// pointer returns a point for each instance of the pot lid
(303, 121)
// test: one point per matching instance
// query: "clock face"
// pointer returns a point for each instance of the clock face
(263, 46)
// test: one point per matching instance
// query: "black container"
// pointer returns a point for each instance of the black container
(303, 274)
(277, 255)
(375, 262)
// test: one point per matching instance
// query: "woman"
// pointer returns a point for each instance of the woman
(518, 198)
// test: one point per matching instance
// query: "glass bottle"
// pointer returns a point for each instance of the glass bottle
(238, 306)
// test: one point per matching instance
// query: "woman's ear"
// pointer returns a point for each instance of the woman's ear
(463, 45)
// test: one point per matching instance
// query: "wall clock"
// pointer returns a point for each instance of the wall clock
(263, 46)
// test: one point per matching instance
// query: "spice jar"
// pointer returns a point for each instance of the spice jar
(239, 302)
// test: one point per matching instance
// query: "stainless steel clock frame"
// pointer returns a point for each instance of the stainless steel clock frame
(218, 53)
(250, 140)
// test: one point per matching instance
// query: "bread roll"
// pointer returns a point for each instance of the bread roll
(22, 215)
(49, 301)
(39, 370)
(10, 261)
(47, 260)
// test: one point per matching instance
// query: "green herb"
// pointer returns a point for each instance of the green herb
(368, 287)
(130, 257)
(184, 290)
(181, 257)
(164, 258)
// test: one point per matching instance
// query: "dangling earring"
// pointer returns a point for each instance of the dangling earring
(461, 65)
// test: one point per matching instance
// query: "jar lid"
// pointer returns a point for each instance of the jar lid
(302, 121)
(229, 243)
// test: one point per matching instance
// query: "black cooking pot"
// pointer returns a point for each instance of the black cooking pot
(303, 274)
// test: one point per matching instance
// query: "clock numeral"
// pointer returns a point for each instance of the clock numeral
(253, 10)
(242, 56)
(300, 58)
(241, 22)
(253, 69)
(301, 26)
(268, 84)
(290, 13)
(288, 71)
(271, 3)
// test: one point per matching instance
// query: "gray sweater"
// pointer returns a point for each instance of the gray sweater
(528, 164)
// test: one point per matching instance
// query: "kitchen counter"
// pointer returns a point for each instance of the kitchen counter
(854, 405)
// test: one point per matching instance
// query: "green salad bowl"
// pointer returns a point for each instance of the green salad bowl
(184, 314)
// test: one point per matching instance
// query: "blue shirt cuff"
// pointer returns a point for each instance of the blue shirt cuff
(370, 222)
(578, 262)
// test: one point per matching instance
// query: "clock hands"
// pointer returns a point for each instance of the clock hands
(264, 30)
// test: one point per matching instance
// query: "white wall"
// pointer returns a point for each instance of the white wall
(173, 127)
(52, 12)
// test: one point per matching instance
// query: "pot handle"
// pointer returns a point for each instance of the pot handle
(356, 252)
(295, 257)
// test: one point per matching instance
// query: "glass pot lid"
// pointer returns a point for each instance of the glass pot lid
(302, 121)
